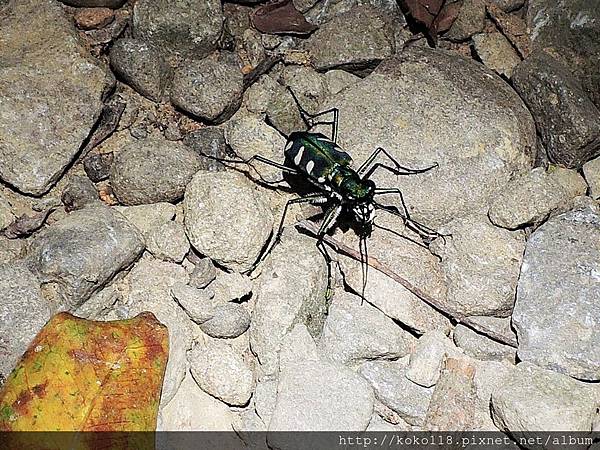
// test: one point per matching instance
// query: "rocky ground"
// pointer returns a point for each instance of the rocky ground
(109, 206)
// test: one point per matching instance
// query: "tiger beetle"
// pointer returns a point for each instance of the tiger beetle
(318, 159)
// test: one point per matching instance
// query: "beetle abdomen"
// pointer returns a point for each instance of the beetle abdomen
(315, 155)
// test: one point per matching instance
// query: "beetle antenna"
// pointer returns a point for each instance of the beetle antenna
(364, 264)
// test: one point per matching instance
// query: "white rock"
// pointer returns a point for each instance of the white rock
(356, 331)
(226, 219)
(428, 357)
(222, 372)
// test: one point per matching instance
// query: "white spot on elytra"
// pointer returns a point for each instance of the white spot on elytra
(310, 166)
(298, 157)
(321, 179)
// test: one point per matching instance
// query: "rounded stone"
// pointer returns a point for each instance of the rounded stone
(226, 219)
(152, 171)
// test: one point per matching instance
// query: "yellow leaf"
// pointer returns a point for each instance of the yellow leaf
(82, 375)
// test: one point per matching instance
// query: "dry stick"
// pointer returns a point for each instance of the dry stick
(436, 304)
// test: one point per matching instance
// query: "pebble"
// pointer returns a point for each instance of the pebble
(556, 314)
(80, 253)
(97, 166)
(226, 219)
(152, 170)
(568, 121)
(403, 107)
(290, 290)
(208, 141)
(147, 218)
(355, 331)
(141, 65)
(190, 29)
(45, 74)
(537, 399)
(481, 265)
(168, 242)
(210, 89)
(355, 40)
(531, 197)
(23, 313)
(204, 273)
(479, 346)
(78, 193)
(428, 357)
(394, 390)
(317, 395)
(470, 21)
(92, 18)
(496, 52)
(222, 372)
(94, 3)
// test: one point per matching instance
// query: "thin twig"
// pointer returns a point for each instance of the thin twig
(423, 296)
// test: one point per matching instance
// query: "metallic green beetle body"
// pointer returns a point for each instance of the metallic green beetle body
(327, 166)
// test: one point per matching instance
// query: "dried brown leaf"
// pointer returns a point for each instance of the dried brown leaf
(281, 17)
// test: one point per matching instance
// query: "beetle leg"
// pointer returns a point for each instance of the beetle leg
(309, 119)
(258, 158)
(423, 231)
(328, 222)
(368, 167)
(313, 198)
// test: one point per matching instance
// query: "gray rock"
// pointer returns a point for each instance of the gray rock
(480, 347)
(43, 70)
(78, 193)
(481, 266)
(396, 391)
(566, 118)
(454, 402)
(265, 398)
(229, 320)
(168, 242)
(191, 409)
(509, 5)
(97, 166)
(222, 372)
(290, 290)
(319, 396)
(151, 171)
(338, 80)
(355, 331)
(218, 320)
(226, 219)
(356, 41)
(197, 303)
(148, 288)
(408, 260)
(297, 345)
(190, 28)
(489, 377)
(23, 312)
(249, 135)
(204, 273)
(428, 357)
(534, 399)
(6, 215)
(94, 3)
(210, 89)
(208, 141)
(307, 85)
(570, 31)
(230, 286)
(470, 21)
(11, 249)
(496, 52)
(379, 424)
(148, 217)
(591, 171)
(141, 65)
(403, 106)
(79, 254)
(556, 313)
(532, 196)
